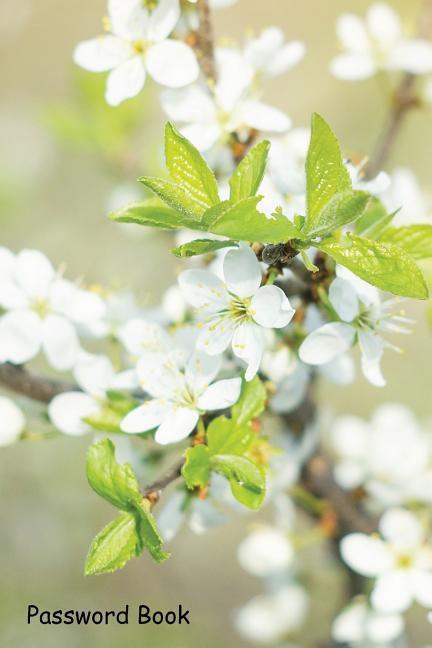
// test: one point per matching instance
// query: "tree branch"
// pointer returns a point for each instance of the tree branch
(152, 491)
(205, 41)
(21, 381)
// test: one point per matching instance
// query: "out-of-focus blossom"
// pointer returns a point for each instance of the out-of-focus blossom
(12, 422)
(406, 195)
(178, 397)
(270, 55)
(237, 310)
(363, 627)
(265, 551)
(270, 617)
(400, 561)
(391, 457)
(363, 316)
(138, 44)
(207, 117)
(378, 43)
(44, 311)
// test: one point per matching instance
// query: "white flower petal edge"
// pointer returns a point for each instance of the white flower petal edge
(12, 422)
(66, 412)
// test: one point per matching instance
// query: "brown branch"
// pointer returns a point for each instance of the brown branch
(38, 388)
(205, 41)
(405, 99)
(152, 491)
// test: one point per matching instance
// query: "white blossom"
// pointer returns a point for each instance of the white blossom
(391, 457)
(362, 627)
(363, 316)
(265, 551)
(270, 55)
(178, 397)
(12, 422)
(44, 311)
(378, 43)
(138, 44)
(406, 196)
(237, 310)
(400, 561)
(209, 116)
(269, 617)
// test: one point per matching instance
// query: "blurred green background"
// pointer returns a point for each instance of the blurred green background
(54, 196)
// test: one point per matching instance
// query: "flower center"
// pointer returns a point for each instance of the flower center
(404, 561)
(139, 46)
(40, 307)
(239, 310)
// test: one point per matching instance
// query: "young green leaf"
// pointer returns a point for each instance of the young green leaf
(175, 197)
(201, 246)
(308, 263)
(247, 177)
(342, 208)
(374, 219)
(227, 436)
(196, 469)
(148, 536)
(189, 170)
(242, 222)
(387, 266)
(251, 402)
(113, 546)
(326, 173)
(149, 214)
(114, 482)
(247, 480)
(416, 240)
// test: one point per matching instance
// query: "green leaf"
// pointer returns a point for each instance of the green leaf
(147, 532)
(343, 208)
(374, 219)
(152, 215)
(247, 177)
(247, 480)
(416, 240)
(188, 168)
(225, 436)
(201, 246)
(326, 173)
(387, 266)
(176, 197)
(308, 263)
(242, 222)
(251, 403)
(196, 469)
(114, 482)
(113, 546)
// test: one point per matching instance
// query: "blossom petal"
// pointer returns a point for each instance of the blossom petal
(327, 342)
(177, 425)
(392, 592)
(102, 54)
(34, 273)
(146, 416)
(190, 104)
(234, 75)
(383, 23)
(201, 370)
(203, 136)
(413, 56)
(368, 556)
(66, 412)
(344, 299)
(159, 375)
(260, 116)
(350, 435)
(271, 307)
(94, 374)
(139, 335)
(421, 582)
(60, 342)
(384, 628)
(215, 336)
(372, 349)
(242, 271)
(163, 19)
(248, 345)
(20, 336)
(401, 528)
(203, 290)
(12, 422)
(125, 81)
(352, 67)
(351, 31)
(129, 19)
(172, 63)
(220, 395)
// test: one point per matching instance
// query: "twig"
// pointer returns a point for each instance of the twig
(38, 388)
(205, 41)
(405, 99)
(152, 491)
